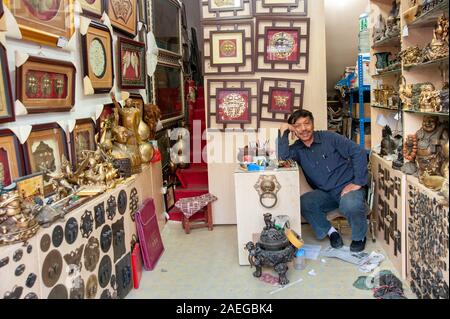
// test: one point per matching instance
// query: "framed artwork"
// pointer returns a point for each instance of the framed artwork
(169, 197)
(31, 186)
(232, 104)
(131, 64)
(97, 50)
(92, 8)
(123, 15)
(166, 25)
(46, 85)
(225, 9)
(228, 47)
(44, 149)
(6, 98)
(82, 138)
(281, 7)
(143, 11)
(168, 88)
(11, 163)
(49, 22)
(279, 98)
(282, 44)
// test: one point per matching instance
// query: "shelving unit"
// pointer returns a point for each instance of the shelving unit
(417, 33)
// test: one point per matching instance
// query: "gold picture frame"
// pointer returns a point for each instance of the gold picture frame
(31, 186)
(82, 138)
(50, 22)
(123, 15)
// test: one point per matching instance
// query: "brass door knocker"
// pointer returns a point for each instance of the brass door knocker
(267, 187)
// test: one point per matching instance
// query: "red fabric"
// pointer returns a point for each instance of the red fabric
(136, 265)
(190, 205)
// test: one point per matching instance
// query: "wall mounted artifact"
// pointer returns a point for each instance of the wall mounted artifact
(267, 187)
(6, 99)
(52, 268)
(82, 138)
(47, 22)
(97, 52)
(281, 7)
(123, 15)
(11, 162)
(92, 8)
(46, 85)
(225, 9)
(132, 65)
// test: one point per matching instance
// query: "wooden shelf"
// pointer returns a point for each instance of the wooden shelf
(437, 62)
(385, 73)
(429, 19)
(384, 108)
(425, 113)
(388, 42)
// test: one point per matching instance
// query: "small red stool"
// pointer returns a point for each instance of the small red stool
(193, 205)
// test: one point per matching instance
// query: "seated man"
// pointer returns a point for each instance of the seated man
(336, 168)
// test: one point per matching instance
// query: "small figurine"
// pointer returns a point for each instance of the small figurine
(388, 144)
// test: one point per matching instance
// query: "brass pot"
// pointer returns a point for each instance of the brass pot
(147, 151)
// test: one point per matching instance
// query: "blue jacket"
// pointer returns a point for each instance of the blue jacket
(330, 163)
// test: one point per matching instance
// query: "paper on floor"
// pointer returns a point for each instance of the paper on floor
(312, 251)
(366, 262)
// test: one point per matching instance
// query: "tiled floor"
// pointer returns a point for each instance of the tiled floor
(205, 264)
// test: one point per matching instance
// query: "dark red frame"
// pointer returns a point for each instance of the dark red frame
(45, 108)
(19, 151)
(120, 41)
(11, 117)
(118, 29)
(270, 107)
(72, 138)
(103, 27)
(288, 29)
(249, 94)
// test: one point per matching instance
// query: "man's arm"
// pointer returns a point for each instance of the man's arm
(349, 149)
(284, 151)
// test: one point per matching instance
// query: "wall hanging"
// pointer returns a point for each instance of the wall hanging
(92, 8)
(11, 163)
(225, 9)
(6, 98)
(281, 7)
(131, 64)
(82, 139)
(123, 15)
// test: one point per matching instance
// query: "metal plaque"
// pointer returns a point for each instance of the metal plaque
(52, 268)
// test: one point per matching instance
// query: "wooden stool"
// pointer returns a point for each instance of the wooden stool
(206, 221)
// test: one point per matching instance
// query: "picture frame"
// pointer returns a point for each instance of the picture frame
(225, 9)
(167, 34)
(131, 77)
(97, 52)
(282, 44)
(143, 11)
(7, 113)
(46, 85)
(11, 158)
(92, 8)
(279, 98)
(280, 7)
(45, 145)
(169, 197)
(228, 47)
(82, 138)
(123, 15)
(31, 186)
(232, 104)
(44, 23)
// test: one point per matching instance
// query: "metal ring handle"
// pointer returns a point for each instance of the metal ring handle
(265, 194)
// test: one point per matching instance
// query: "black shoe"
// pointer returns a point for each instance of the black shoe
(336, 240)
(357, 246)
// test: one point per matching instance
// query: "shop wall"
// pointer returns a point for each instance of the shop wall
(221, 182)
(342, 18)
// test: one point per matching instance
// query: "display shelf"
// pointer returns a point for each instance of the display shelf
(425, 113)
(429, 18)
(385, 73)
(384, 107)
(393, 41)
(441, 61)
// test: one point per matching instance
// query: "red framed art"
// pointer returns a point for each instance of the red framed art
(282, 44)
(11, 158)
(228, 47)
(132, 64)
(279, 98)
(280, 7)
(225, 9)
(232, 104)
(6, 98)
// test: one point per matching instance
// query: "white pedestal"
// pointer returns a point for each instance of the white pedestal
(249, 211)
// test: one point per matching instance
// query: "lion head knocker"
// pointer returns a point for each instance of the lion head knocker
(267, 187)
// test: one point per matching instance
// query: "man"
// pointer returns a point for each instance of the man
(336, 168)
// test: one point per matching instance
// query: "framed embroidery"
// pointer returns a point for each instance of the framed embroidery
(131, 64)
(97, 48)
(43, 151)
(46, 22)
(82, 138)
(281, 7)
(232, 104)
(92, 8)
(123, 15)
(225, 9)
(11, 163)
(282, 44)
(6, 98)
(228, 47)
(46, 85)
(279, 98)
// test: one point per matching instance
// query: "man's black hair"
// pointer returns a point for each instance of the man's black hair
(298, 114)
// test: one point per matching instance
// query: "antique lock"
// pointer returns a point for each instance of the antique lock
(74, 257)
(17, 256)
(46, 241)
(71, 230)
(106, 238)
(267, 187)
(134, 202)
(87, 224)
(118, 239)
(91, 254)
(31, 295)
(29, 249)
(104, 271)
(91, 287)
(31, 279)
(111, 207)
(15, 293)
(122, 202)
(58, 292)
(4, 261)
(19, 270)
(52, 268)
(126, 276)
(99, 211)
(57, 237)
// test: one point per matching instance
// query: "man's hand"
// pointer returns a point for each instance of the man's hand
(286, 126)
(350, 188)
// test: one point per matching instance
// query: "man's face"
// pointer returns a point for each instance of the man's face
(304, 129)
(430, 123)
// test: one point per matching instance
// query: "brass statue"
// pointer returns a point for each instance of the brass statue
(152, 115)
(429, 99)
(411, 56)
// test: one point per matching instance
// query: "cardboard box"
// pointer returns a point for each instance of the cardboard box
(355, 110)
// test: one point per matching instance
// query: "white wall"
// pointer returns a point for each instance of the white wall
(342, 17)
